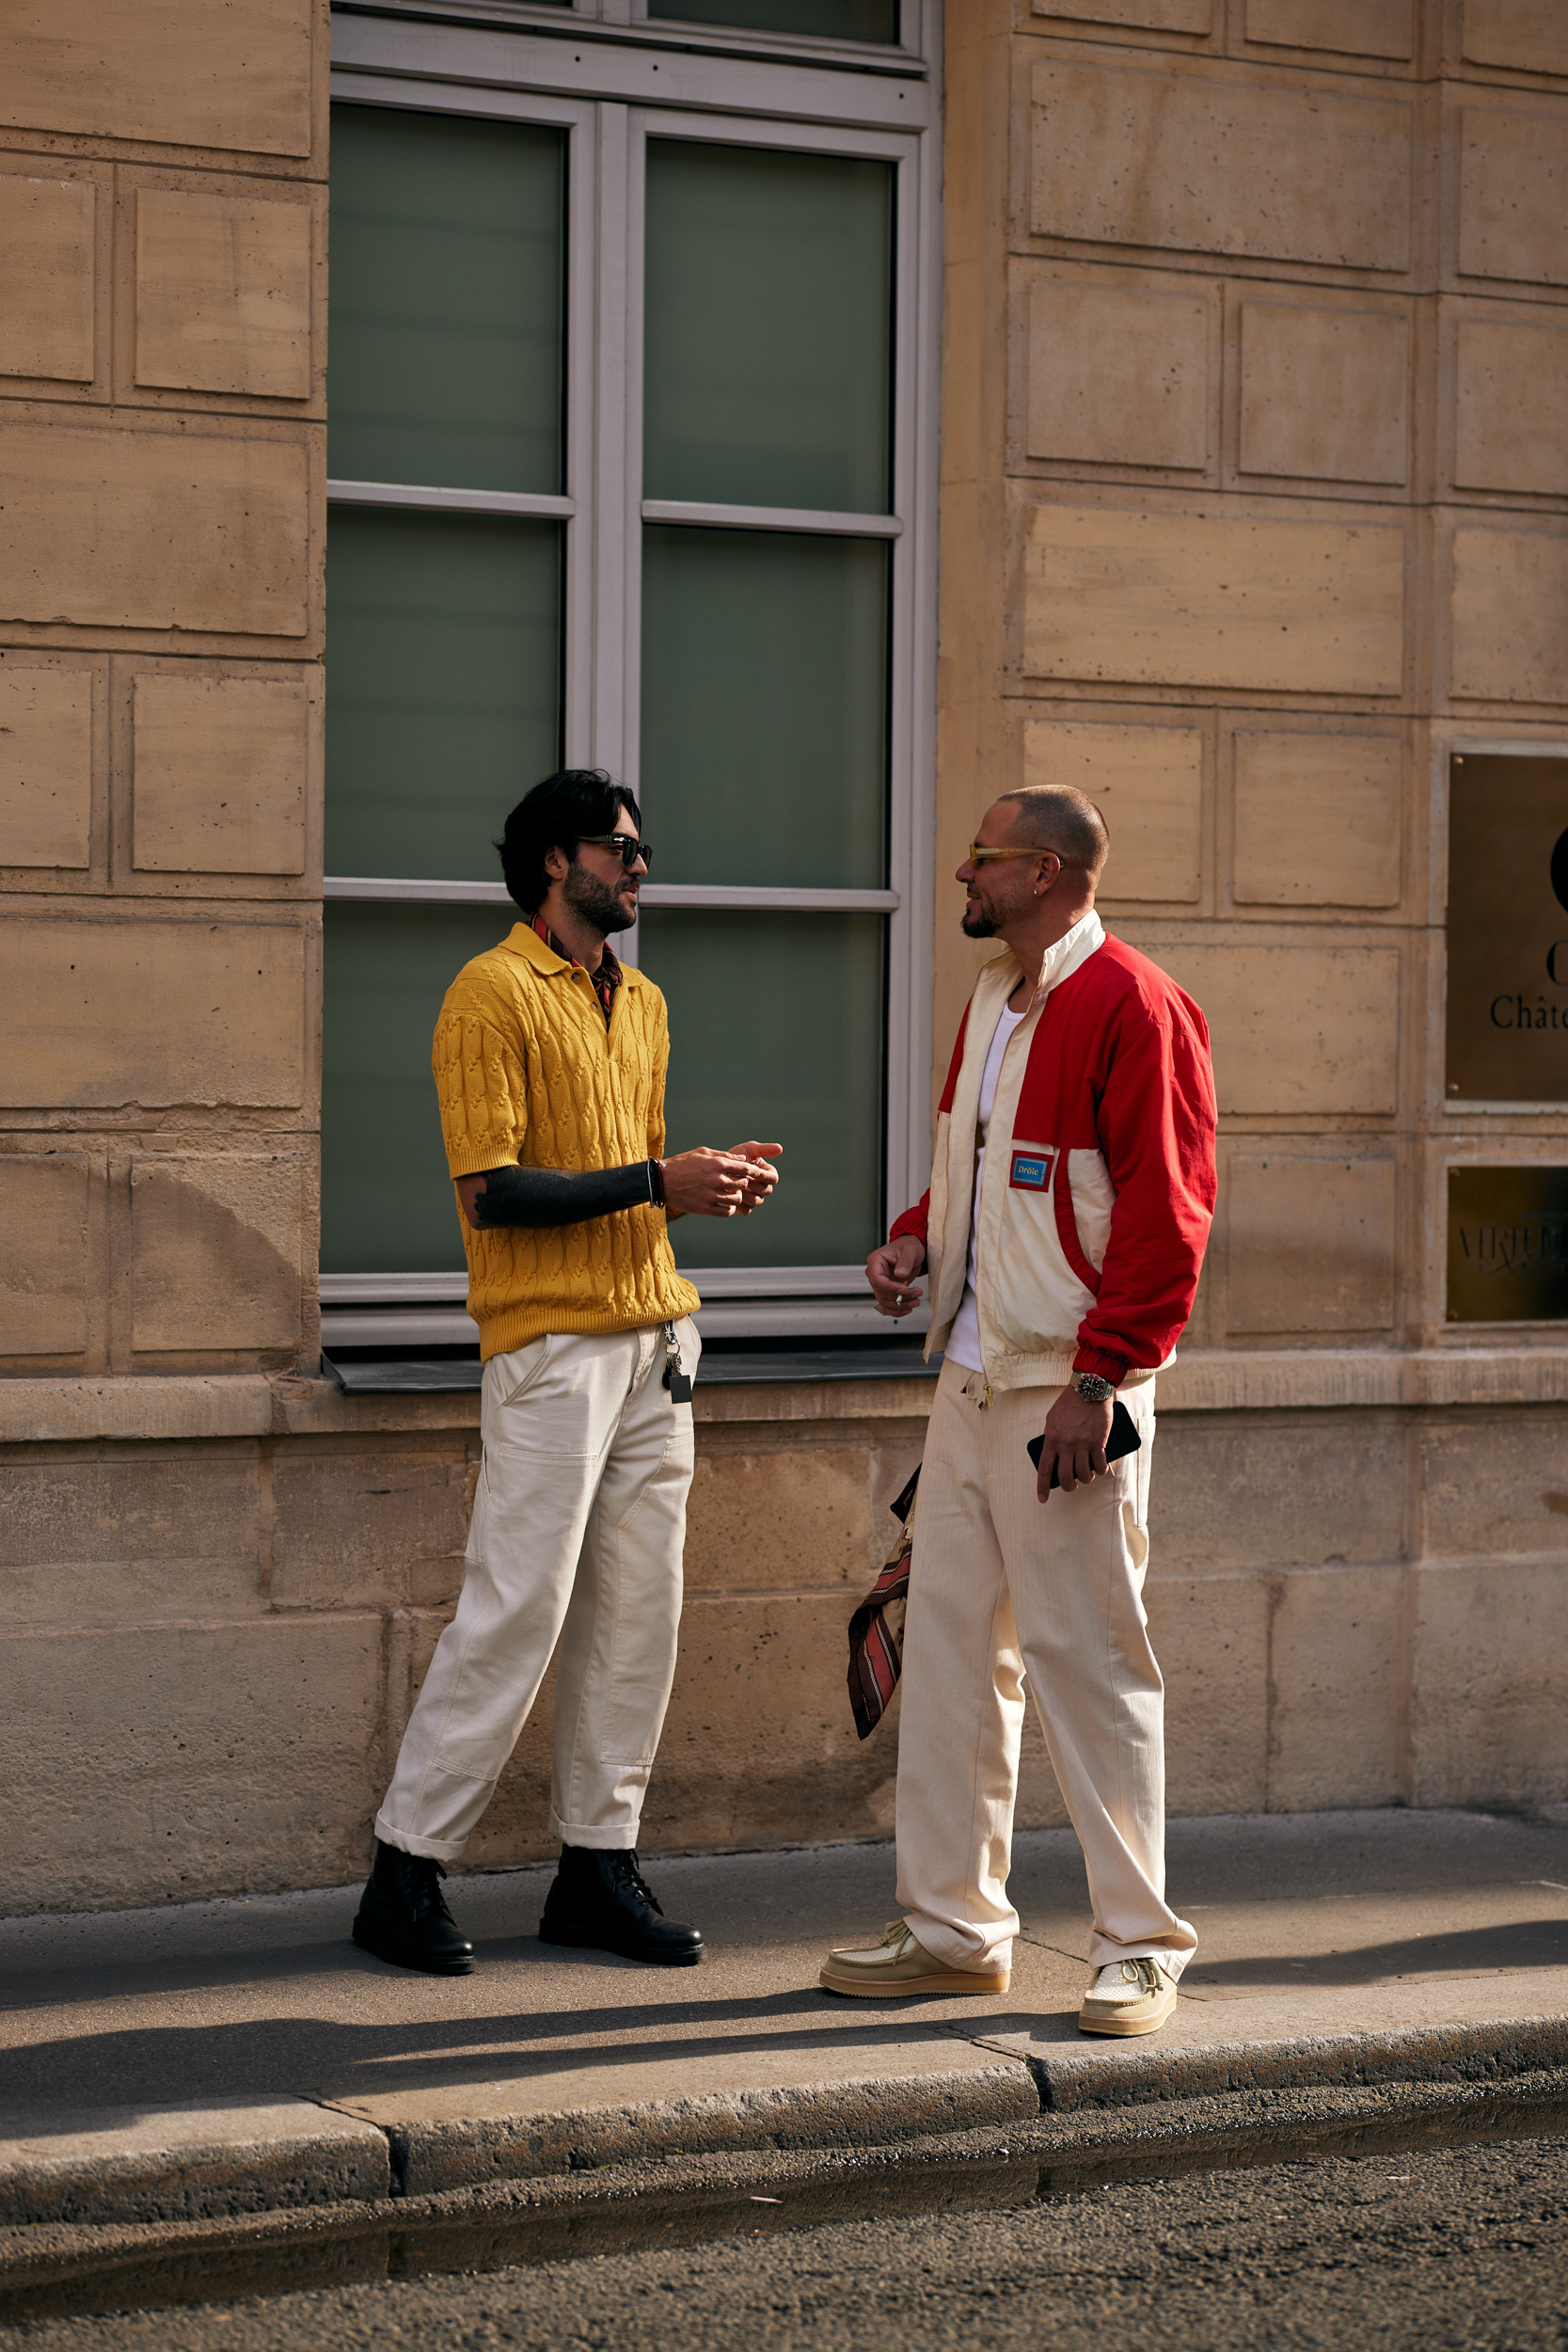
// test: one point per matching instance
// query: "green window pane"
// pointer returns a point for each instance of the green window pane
(828, 19)
(447, 346)
(776, 1033)
(764, 751)
(387, 1204)
(443, 686)
(768, 333)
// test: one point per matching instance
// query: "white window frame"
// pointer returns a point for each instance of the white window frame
(630, 19)
(525, 65)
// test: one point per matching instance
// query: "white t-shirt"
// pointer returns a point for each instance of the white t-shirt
(963, 1340)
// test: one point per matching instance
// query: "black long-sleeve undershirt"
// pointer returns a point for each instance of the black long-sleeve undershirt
(557, 1195)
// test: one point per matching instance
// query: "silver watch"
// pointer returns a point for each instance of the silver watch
(1092, 1389)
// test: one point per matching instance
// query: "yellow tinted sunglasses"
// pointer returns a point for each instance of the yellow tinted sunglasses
(977, 855)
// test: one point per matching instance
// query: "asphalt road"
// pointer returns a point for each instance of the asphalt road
(1464, 2248)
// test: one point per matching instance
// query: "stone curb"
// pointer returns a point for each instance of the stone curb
(858, 2113)
(182, 2164)
(220, 2159)
(1134, 2075)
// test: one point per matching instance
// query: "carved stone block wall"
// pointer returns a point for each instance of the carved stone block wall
(163, 182)
(163, 185)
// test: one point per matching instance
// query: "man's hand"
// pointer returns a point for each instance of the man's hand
(719, 1184)
(1075, 1436)
(890, 1271)
(764, 1175)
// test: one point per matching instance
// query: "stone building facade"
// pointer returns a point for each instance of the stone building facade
(1252, 520)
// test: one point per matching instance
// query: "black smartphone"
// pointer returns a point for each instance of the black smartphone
(1123, 1439)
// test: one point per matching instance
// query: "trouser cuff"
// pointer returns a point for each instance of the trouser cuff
(433, 1848)
(1103, 1951)
(955, 1949)
(615, 1837)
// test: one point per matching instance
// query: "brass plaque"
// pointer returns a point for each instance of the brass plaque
(1507, 1244)
(1508, 928)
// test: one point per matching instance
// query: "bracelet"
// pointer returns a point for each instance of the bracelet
(656, 1183)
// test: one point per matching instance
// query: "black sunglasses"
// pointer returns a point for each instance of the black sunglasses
(625, 845)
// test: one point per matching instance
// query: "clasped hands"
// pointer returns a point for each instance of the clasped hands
(1075, 1430)
(705, 1183)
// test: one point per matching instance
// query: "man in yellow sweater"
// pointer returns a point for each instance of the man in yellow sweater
(549, 1060)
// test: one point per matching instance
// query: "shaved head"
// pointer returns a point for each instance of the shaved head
(1055, 817)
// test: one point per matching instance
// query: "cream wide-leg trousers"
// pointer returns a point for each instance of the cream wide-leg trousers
(578, 1531)
(1001, 1586)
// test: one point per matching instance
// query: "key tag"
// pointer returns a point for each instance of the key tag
(675, 1380)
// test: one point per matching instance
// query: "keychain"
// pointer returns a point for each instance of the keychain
(675, 1380)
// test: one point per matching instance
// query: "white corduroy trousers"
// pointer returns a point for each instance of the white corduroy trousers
(578, 1531)
(1002, 1586)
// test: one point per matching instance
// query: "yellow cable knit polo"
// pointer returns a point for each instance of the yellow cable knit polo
(525, 1072)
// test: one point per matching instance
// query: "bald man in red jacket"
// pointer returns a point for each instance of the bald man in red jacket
(1062, 1238)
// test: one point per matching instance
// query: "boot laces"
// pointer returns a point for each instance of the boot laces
(628, 1879)
(425, 1876)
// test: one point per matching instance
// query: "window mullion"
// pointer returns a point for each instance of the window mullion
(579, 597)
(422, 498)
(611, 734)
(826, 520)
(623, 543)
(715, 897)
(912, 746)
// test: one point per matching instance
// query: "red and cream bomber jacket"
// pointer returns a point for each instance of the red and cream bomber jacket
(1098, 1184)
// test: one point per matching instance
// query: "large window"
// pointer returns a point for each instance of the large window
(629, 439)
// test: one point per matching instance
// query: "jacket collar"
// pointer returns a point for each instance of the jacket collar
(524, 941)
(1059, 963)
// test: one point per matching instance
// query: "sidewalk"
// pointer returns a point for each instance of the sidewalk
(237, 2057)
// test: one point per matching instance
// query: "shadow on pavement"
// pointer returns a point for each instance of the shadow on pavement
(166, 2064)
(1463, 1952)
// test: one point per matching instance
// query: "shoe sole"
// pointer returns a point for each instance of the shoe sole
(906, 1987)
(396, 1958)
(1125, 2026)
(592, 1940)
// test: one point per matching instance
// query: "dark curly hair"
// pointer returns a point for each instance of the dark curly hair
(555, 814)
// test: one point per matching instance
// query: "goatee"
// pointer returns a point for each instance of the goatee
(978, 926)
(597, 904)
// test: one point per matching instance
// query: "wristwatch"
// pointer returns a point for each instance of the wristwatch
(1092, 1389)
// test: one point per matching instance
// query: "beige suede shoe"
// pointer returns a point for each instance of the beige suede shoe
(900, 1963)
(1127, 1997)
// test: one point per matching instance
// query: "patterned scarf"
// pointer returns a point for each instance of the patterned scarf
(606, 980)
(877, 1628)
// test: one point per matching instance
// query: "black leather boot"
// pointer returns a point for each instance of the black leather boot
(601, 1903)
(404, 1917)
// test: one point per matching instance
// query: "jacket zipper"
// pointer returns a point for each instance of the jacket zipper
(985, 1375)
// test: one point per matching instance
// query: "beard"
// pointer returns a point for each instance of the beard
(977, 925)
(597, 904)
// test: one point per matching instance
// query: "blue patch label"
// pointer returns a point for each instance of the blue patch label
(1031, 1172)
